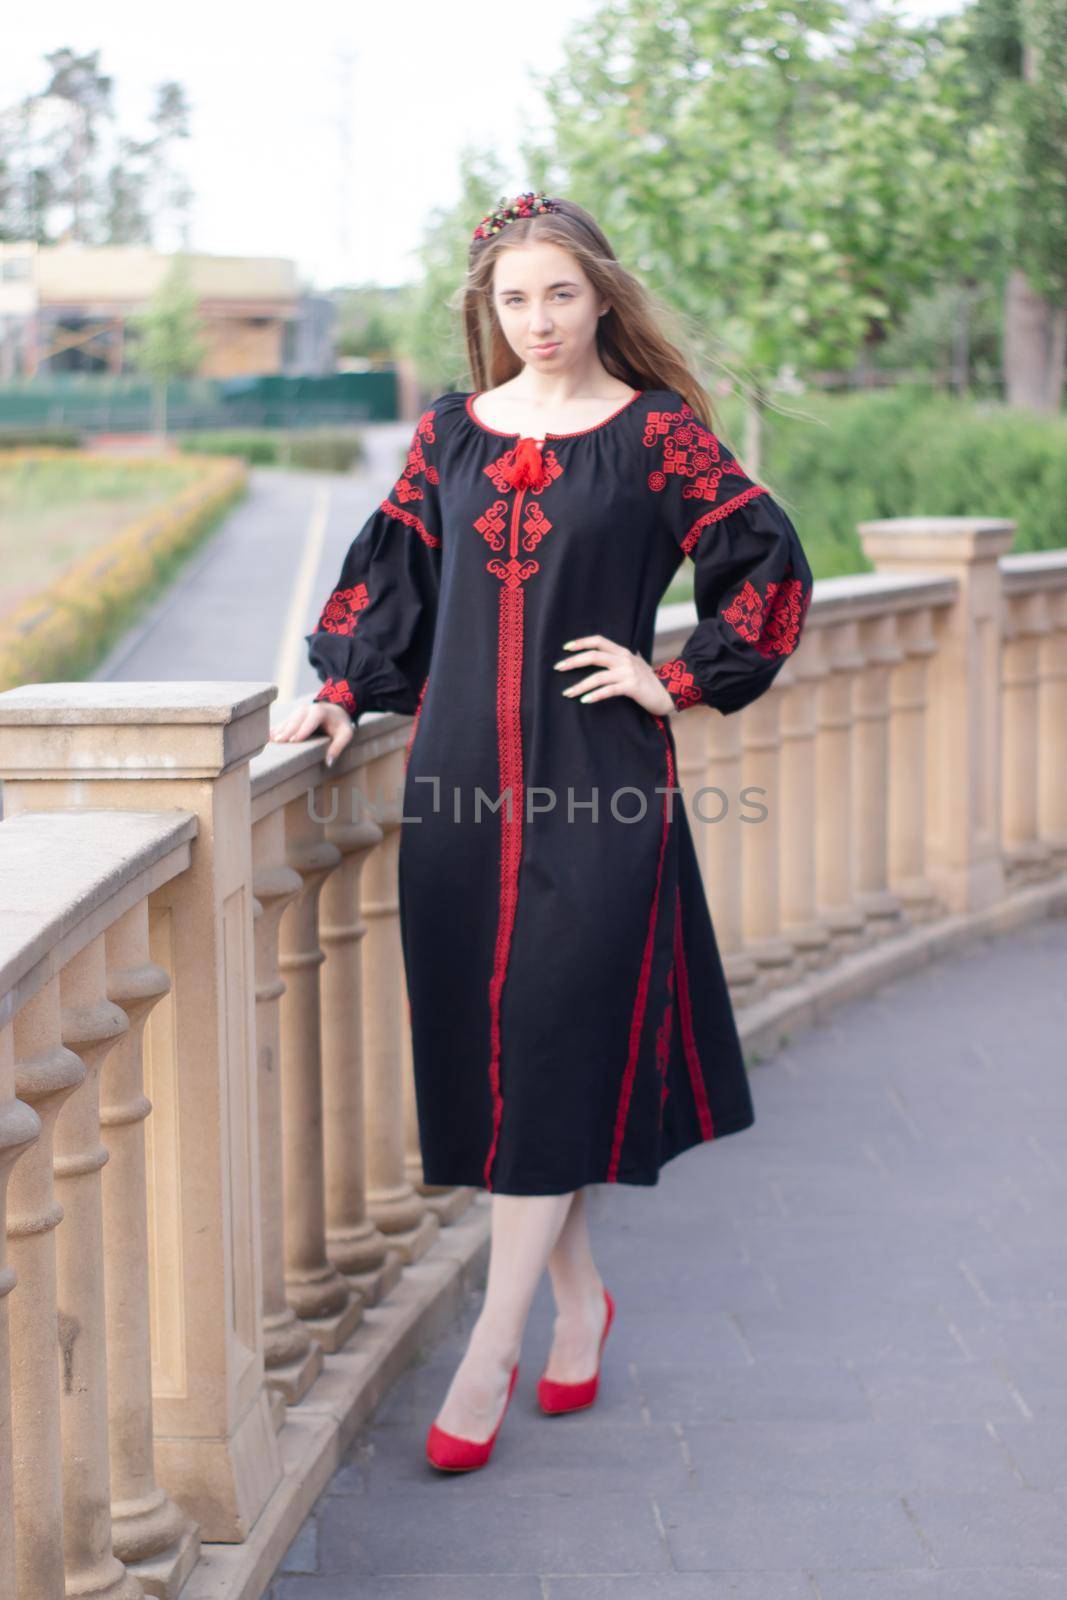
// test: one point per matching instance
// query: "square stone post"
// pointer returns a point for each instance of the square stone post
(187, 746)
(963, 840)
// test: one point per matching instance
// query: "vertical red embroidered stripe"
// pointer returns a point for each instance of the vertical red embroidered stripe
(509, 744)
(685, 1016)
(641, 998)
(415, 720)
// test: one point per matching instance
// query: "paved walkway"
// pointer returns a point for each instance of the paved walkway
(837, 1370)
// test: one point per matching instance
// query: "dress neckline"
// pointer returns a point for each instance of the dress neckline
(540, 438)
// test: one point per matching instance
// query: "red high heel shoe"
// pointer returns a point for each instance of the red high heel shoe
(557, 1397)
(450, 1453)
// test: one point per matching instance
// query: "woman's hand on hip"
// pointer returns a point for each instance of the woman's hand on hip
(619, 671)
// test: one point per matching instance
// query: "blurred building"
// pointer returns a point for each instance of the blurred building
(65, 308)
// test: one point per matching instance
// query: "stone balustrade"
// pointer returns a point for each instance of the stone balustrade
(219, 1247)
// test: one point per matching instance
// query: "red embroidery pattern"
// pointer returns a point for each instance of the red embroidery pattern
(525, 472)
(681, 685)
(341, 611)
(717, 513)
(641, 998)
(514, 471)
(415, 721)
(412, 521)
(690, 451)
(663, 1044)
(771, 621)
(339, 692)
(685, 1016)
(408, 488)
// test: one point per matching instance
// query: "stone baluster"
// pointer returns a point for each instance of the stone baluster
(762, 805)
(835, 855)
(292, 1358)
(92, 1027)
(1052, 745)
(874, 898)
(1026, 625)
(963, 857)
(354, 1243)
(392, 1203)
(716, 806)
(20, 1127)
(908, 785)
(155, 1539)
(798, 683)
(186, 746)
(323, 1300)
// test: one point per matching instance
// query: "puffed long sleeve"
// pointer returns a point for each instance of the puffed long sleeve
(752, 584)
(372, 642)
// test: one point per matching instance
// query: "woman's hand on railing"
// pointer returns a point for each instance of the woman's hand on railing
(317, 714)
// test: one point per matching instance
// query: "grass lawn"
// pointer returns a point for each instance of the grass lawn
(54, 511)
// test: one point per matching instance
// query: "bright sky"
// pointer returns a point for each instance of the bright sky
(327, 133)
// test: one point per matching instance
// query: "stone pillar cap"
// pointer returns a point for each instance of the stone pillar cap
(185, 729)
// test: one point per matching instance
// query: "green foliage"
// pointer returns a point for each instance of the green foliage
(55, 438)
(168, 330)
(789, 177)
(431, 334)
(903, 453)
(314, 449)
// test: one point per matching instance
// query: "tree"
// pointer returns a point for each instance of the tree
(789, 177)
(1018, 51)
(430, 332)
(168, 335)
(79, 81)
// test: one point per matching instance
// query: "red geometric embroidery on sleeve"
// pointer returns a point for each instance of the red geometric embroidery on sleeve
(339, 692)
(717, 513)
(341, 611)
(681, 685)
(408, 488)
(691, 451)
(412, 521)
(771, 621)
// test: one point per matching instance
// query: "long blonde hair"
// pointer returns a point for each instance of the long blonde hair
(630, 340)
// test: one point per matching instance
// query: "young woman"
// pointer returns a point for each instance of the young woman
(570, 1019)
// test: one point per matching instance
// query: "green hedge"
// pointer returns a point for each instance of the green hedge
(317, 449)
(30, 438)
(905, 453)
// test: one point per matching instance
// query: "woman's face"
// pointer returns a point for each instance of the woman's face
(547, 306)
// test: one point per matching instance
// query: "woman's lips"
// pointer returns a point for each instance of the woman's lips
(543, 349)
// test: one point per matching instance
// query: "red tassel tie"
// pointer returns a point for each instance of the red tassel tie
(524, 467)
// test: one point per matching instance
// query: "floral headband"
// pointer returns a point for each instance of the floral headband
(523, 205)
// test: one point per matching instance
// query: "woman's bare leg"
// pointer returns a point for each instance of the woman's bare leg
(579, 1294)
(523, 1231)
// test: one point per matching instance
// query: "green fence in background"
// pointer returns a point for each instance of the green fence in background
(98, 404)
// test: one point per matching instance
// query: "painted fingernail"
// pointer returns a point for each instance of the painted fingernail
(588, 696)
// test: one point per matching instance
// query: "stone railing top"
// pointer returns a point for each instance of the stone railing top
(97, 730)
(66, 876)
(1034, 570)
(935, 541)
(95, 702)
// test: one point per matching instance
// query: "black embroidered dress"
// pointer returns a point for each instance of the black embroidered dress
(570, 1019)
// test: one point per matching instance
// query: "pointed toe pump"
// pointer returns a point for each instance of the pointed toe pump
(449, 1453)
(555, 1398)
